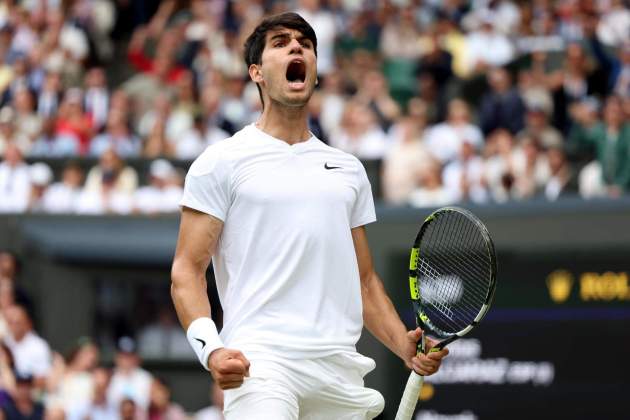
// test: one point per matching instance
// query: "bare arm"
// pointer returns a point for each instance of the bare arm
(380, 316)
(197, 242)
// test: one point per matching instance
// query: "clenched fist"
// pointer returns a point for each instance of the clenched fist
(228, 367)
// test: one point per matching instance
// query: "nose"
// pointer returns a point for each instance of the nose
(295, 45)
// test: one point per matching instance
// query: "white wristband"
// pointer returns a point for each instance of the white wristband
(204, 339)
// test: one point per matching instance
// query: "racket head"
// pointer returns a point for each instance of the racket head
(452, 274)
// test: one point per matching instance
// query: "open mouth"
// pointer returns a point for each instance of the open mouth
(296, 72)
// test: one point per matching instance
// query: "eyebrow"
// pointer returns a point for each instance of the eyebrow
(283, 35)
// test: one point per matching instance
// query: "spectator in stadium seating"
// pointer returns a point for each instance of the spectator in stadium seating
(502, 106)
(129, 381)
(10, 290)
(430, 190)
(359, 132)
(41, 176)
(445, 139)
(96, 99)
(15, 183)
(325, 26)
(163, 193)
(537, 126)
(50, 95)
(129, 410)
(189, 144)
(49, 144)
(97, 408)
(72, 122)
(437, 63)
(31, 352)
(117, 136)
(332, 102)
(609, 175)
(9, 133)
(22, 405)
(487, 47)
(7, 377)
(499, 166)
(153, 127)
(215, 410)
(161, 406)
(464, 176)
(63, 196)
(407, 156)
(164, 339)
(529, 168)
(71, 385)
(374, 93)
(109, 186)
(562, 181)
(401, 36)
(26, 120)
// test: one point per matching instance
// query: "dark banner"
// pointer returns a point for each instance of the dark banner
(555, 345)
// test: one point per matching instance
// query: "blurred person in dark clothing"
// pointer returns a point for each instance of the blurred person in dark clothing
(23, 406)
(562, 181)
(502, 107)
(609, 175)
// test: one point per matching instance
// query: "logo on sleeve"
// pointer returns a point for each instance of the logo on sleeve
(331, 167)
(203, 343)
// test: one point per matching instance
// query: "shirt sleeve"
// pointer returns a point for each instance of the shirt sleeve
(363, 210)
(207, 186)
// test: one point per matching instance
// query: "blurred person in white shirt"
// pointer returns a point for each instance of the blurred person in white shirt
(487, 47)
(323, 22)
(41, 176)
(9, 132)
(63, 197)
(71, 384)
(431, 191)
(129, 380)
(163, 193)
(333, 102)
(359, 133)
(445, 139)
(215, 410)
(193, 141)
(464, 176)
(408, 155)
(164, 339)
(97, 408)
(15, 182)
(31, 352)
(530, 167)
(562, 180)
(109, 186)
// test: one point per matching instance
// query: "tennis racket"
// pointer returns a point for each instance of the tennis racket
(452, 278)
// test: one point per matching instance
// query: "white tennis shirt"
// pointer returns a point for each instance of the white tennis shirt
(285, 267)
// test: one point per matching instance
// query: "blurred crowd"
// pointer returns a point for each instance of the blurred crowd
(462, 101)
(37, 382)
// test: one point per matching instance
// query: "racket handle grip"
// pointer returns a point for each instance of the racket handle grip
(410, 397)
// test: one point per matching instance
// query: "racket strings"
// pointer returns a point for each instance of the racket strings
(454, 268)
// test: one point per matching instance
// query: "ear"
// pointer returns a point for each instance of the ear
(255, 73)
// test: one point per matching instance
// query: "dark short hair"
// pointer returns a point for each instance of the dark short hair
(255, 43)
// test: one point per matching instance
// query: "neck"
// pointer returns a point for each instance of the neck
(289, 124)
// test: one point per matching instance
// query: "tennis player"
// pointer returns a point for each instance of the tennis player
(282, 216)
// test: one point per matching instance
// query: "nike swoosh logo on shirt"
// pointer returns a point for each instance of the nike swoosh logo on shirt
(331, 167)
(203, 343)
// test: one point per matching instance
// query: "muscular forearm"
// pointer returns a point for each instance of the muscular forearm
(189, 293)
(380, 316)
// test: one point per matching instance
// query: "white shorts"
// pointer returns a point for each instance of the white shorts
(306, 389)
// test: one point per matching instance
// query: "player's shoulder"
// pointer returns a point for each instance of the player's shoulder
(220, 154)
